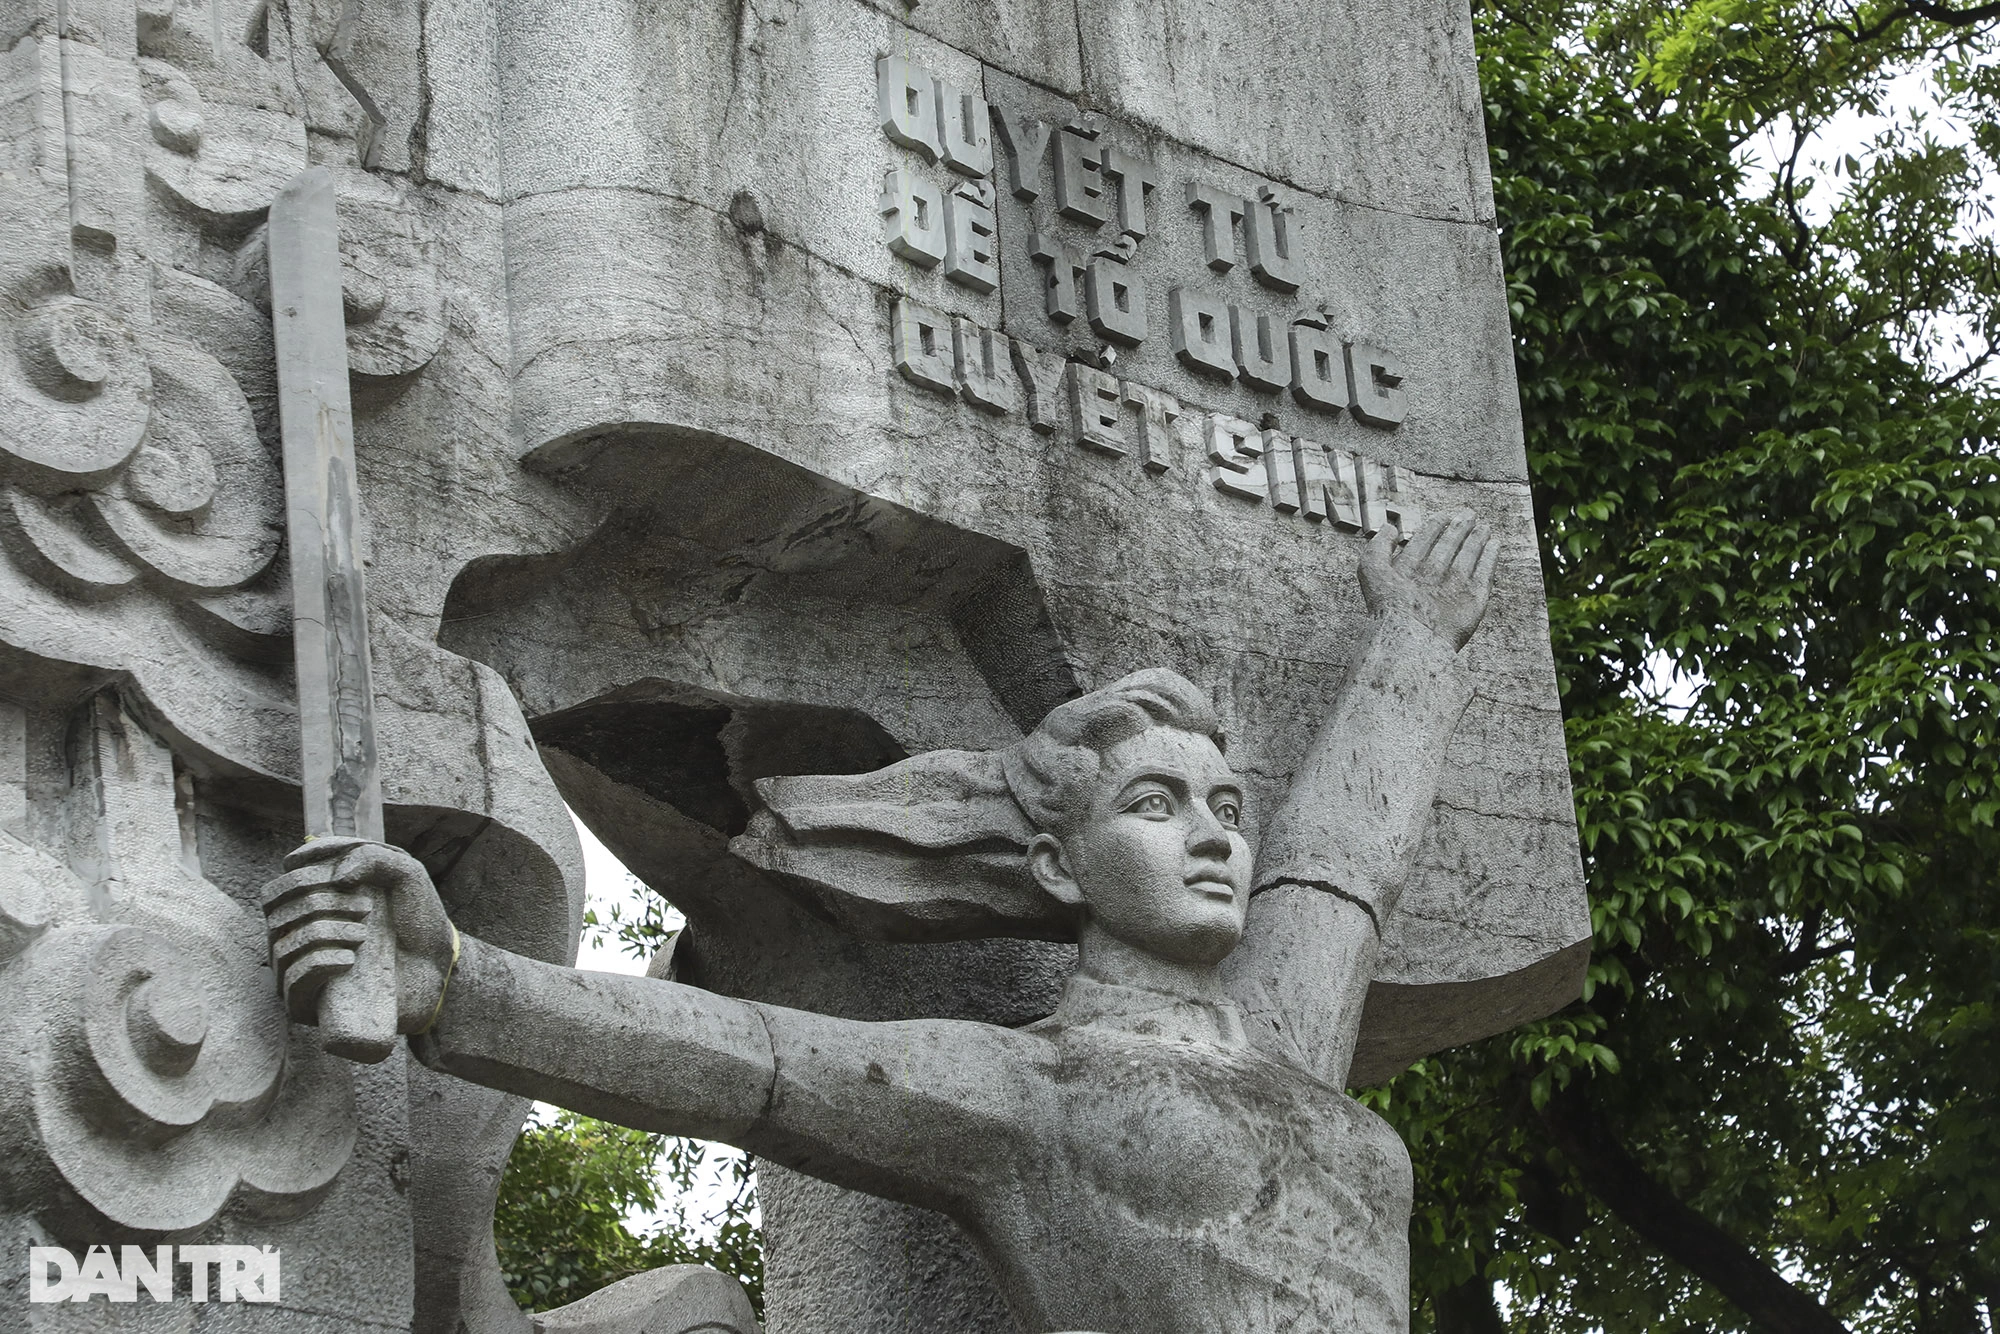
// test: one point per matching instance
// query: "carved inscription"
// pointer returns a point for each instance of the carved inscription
(938, 207)
(1343, 489)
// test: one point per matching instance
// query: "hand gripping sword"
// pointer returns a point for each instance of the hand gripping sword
(338, 771)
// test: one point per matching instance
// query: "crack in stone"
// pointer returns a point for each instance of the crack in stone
(1324, 887)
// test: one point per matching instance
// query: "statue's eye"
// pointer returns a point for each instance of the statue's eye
(1153, 803)
(1227, 812)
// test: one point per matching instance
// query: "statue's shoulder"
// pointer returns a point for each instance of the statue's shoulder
(922, 1047)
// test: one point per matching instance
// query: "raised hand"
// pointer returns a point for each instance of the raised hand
(1444, 577)
(319, 911)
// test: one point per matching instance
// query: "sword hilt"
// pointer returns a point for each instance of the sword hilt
(357, 1010)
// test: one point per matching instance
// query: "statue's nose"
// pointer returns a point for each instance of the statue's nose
(1209, 837)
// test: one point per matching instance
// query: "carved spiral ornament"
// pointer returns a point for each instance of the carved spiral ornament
(199, 502)
(129, 457)
(224, 156)
(76, 392)
(159, 1076)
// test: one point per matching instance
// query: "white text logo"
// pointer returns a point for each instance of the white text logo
(240, 1273)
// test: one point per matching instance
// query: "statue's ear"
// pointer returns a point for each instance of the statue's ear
(1048, 862)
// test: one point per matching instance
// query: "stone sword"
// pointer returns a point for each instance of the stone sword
(338, 770)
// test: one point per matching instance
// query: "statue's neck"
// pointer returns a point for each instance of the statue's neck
(1121, 986)
(1105, 958)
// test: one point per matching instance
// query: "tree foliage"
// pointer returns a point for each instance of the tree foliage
(571, 1186)
(1762, 434)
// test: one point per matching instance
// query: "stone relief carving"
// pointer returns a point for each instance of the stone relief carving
(541, 272)
(148, 1072)
(674, 1299)
(391, 293)
(1170, 1150)
(134, 299)
(135, 460)
(154, 1082)
(150, 1084)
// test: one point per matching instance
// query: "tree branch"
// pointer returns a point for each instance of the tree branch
(1952, 18)
(1899, 14)
(1788, 190)
(1973, 366)
(1810, 949)
(1677, 1231)
(1793, 961)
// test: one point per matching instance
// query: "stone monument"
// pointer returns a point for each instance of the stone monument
(745, 399)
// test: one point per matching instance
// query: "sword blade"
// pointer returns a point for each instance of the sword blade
(338, 768)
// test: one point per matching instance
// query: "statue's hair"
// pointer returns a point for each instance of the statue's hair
(932, 847)
(1051, 770)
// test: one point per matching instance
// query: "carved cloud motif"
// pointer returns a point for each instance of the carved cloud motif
(128, 456)
(225, 131)
(148, 1076)
(139, 469)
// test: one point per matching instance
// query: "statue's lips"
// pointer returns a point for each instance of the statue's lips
(1212, 887)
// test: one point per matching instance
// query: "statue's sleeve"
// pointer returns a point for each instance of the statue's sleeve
(922, 1111)
(1334, 856)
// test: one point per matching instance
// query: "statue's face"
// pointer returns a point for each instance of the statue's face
(1159, 859)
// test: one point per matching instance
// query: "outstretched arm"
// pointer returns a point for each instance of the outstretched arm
(924, 1111)
(920, 1111)
(1333, 859)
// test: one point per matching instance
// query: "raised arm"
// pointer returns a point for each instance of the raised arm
(1333, 859)
(924, 1111)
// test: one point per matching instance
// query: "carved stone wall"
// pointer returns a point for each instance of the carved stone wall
(148, 736)
(740, 389)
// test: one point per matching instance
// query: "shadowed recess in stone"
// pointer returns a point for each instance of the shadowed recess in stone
(700, 751)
